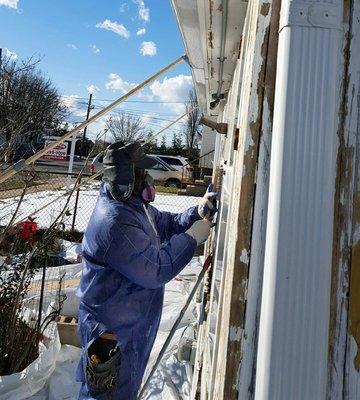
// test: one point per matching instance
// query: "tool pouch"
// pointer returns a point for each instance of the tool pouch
(102, 377)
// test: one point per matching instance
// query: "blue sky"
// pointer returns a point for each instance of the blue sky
(101, 46)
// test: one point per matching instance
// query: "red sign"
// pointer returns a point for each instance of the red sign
(57, 153)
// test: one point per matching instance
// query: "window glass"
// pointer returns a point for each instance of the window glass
(159, 166)
(172, 161)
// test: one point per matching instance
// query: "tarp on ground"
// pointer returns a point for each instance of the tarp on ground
(172, 380)
(32, 379)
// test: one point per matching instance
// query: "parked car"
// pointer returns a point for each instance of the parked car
(166, 174)
(96, 164)
(162, 172)
(176, 162)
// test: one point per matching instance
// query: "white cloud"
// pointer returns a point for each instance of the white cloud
(77, 109)
(10, 54)
(75, 106)
(175, 89)
(115, 27)
(72, 46)
(92, 89)
(97, 128)
(9, 3)
(144, 12)
(124, 7)
(146, 96)
(95, 49)
(140, 32)
(116, 82)
(148, 49)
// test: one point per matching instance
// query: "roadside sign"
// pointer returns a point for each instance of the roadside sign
(58, 153)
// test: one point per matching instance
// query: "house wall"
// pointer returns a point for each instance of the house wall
(238, 154)
(283, 311)
(344, 339)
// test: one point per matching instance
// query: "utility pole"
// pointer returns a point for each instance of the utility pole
(105, 131)
(85, 129)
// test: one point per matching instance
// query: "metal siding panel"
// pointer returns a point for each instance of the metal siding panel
(292, 354)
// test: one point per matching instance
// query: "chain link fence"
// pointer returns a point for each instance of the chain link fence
(42, 196)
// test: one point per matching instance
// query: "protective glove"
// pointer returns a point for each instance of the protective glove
(208, 204)
(200, 230)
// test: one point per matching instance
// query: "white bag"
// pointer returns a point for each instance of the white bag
(31, 380)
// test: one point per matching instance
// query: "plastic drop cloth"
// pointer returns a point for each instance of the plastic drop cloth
(172, 381)
(32, 379)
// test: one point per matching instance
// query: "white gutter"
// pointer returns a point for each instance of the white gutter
(222, 46)
(293, 333)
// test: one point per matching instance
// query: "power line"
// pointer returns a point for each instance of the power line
(130, 101)
(146, 115)
(83, 107)
(134, 112)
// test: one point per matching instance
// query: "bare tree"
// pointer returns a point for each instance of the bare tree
(126, 127)
(192, 122)
(29, 103)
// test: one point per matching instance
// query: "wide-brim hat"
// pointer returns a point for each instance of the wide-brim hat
(128, 154)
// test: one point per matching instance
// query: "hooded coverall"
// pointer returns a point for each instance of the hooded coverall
(129, 253)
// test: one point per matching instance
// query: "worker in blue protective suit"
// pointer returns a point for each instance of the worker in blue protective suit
(130, 250)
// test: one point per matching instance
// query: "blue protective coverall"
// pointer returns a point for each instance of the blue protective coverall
(127, 261)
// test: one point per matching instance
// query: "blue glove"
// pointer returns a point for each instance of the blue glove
(208, 204)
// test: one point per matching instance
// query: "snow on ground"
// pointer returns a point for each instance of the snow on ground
(172, 380)
(87, 199)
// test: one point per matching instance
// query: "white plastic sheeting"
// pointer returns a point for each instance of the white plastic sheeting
(32, 379)
(171, 381)
(61, 384)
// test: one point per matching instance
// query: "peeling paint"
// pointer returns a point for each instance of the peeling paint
(210, 39)
(354, 303)
(244, 258)
(249, 141)
(264, 10)
(342, 226)
(245, 197)
(235, 334)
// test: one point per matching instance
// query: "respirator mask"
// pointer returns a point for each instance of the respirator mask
(144, 186)
(148, 189)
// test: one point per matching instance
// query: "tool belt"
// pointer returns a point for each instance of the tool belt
(102, 367)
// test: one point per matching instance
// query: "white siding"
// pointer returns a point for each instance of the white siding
(293, 338)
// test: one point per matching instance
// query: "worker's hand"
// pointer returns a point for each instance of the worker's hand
(208, 204)
(200, 230)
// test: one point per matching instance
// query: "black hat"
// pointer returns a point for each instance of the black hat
(120, 154)
(119, 162)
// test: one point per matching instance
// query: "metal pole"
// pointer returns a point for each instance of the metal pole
(75, 206)
(85, 129)
(41, 300)
(206, 266)
(71, 163)
(12, 170)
